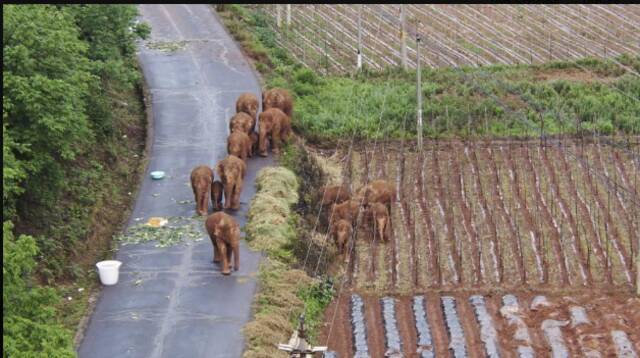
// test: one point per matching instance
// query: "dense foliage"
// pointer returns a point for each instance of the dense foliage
(588, 95)
(61, 67)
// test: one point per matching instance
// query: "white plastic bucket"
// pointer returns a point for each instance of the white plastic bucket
(109, 271)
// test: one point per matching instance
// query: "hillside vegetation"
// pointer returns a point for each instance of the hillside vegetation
(73, 124)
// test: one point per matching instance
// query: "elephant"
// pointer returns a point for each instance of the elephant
(378, 191)
(278, 98)
(379, 215)
(346, 211)
(254, 142)
(201, 178)
(248, 103)
(239, 144)
(341, 232)
(273, 122)
(334, 194)
(224, 232)
(241, 122)
(216, 194)
(232, 171)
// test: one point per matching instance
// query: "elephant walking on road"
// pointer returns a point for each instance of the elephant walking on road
(201, 178)
(232, 171)
(224, 232)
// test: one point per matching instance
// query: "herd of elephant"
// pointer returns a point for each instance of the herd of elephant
(274, 126)
(373, 200)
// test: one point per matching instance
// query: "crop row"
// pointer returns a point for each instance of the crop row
(500, 214)
(326, 36)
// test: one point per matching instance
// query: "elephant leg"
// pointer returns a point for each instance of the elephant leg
(222, 247)
(276, 140)
(236, 255)
(204, 207)
(238, 190)
(229, 253)
(216, 253)
(228, 195)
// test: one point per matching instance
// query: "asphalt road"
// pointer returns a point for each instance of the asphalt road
(184, 307)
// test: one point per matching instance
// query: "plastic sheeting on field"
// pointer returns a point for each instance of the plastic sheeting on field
(624, 347)
(359, 328)
(553, 335)
(425, 344)
(488, 333)
(391, 333)
(457, 345)
(511, 312)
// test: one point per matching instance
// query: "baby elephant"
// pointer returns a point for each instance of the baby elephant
(239, 144)
(201, 178)
(232, 171)
(254, 142)
(224, 232)
(241, 122)
(341, 232)
(216, 195)
(379, 215)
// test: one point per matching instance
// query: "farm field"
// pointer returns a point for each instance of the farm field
(495, 218)
(326, 36)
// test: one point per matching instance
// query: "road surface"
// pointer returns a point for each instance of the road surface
(184, 307)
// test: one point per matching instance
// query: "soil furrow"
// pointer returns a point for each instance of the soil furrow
(495, 249)
(555, 242)
(469, 226)
(506, 217)
(475, 347)
(609, 229)
(436, 323)
(531, 232)
(432, 265)
(443, 203)
(375, 328)
(407, 325)
(593, 243)
(566, 216)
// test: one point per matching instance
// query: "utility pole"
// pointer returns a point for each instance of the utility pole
(403, 37)
(288, 15)
(298, 346)
(419, 89)
(278, 16)
(359, 65)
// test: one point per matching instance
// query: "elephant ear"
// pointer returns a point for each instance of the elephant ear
(220, 168)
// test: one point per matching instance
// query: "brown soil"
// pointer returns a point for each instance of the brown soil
(574, 75)
(375, 326)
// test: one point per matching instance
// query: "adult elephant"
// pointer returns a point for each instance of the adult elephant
(201, 178)
(239, 144)
(248, 103)
(275, 124)
(224, 233)
(278, 98)
(378, 191)
(232, 171)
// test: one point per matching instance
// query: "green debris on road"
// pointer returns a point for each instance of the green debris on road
(179, 229)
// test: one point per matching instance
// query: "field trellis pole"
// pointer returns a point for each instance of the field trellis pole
(359, 59)
(419, 92)
(403, 36)
(288, 15)
(278, 15)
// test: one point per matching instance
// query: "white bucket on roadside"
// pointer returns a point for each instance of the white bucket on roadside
(108, 271)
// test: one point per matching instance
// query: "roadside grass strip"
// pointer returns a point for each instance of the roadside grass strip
(456, 334)
(488, 332)
(425, 344)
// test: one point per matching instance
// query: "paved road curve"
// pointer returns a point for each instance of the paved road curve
(184, 306)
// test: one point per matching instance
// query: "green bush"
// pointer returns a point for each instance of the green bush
(29, 322)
